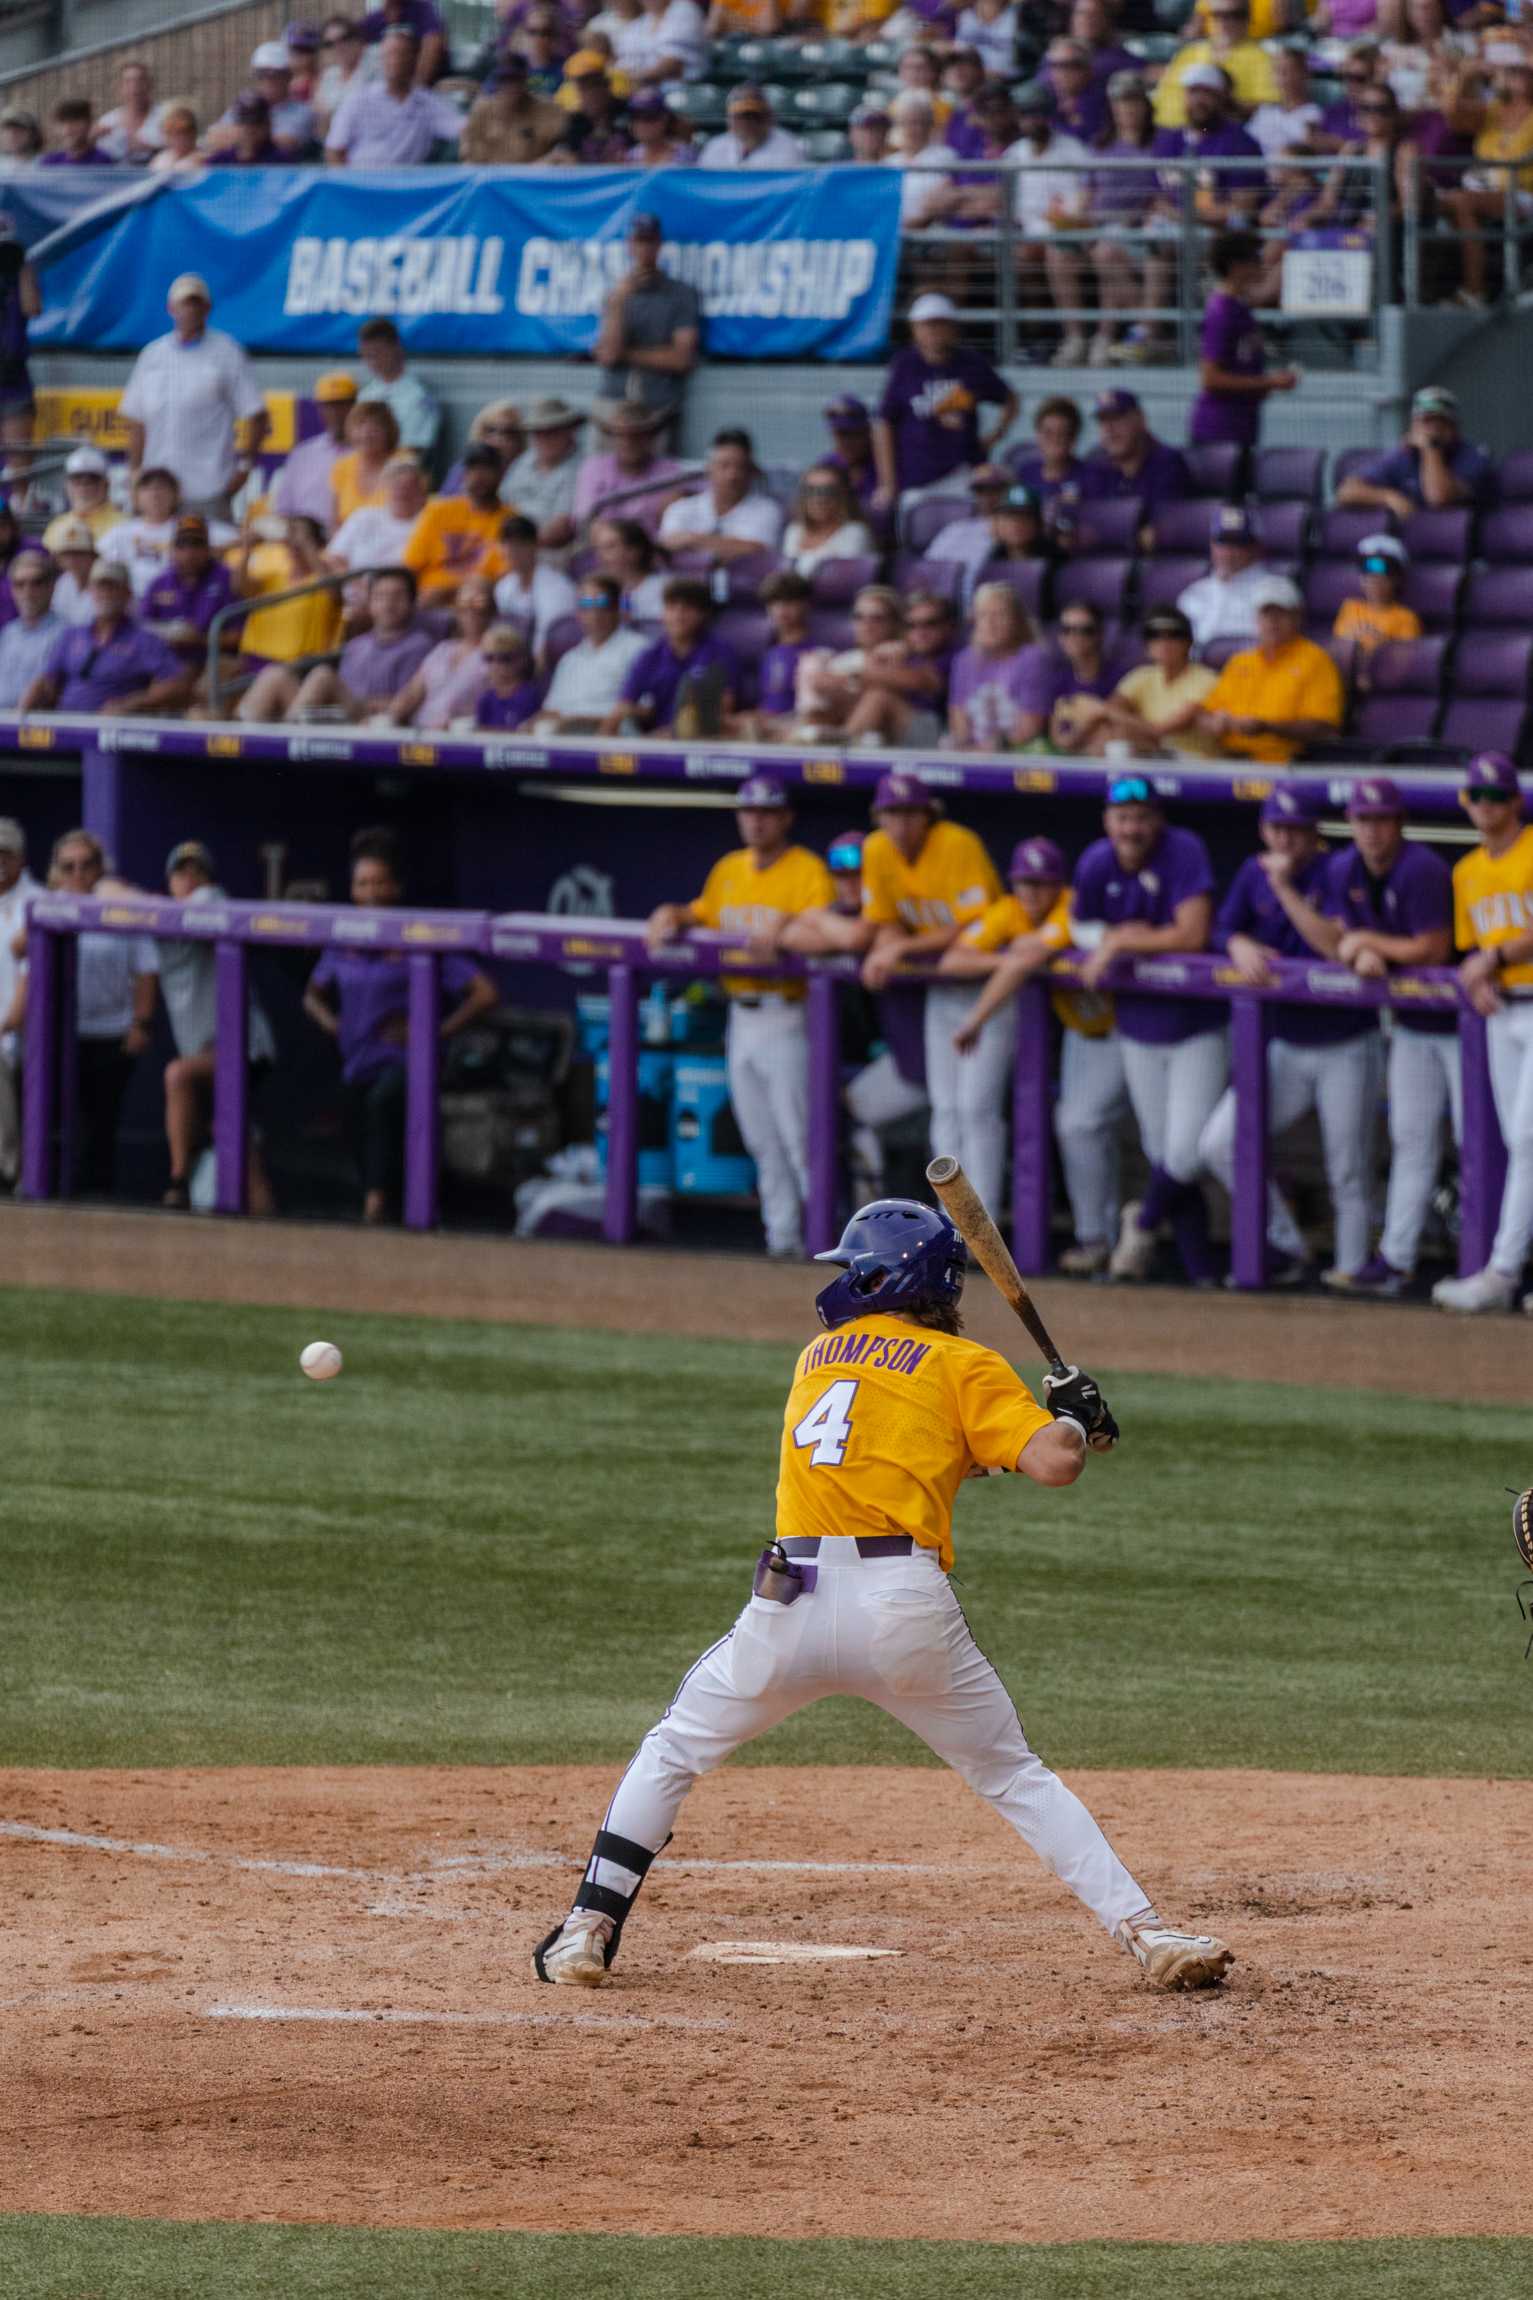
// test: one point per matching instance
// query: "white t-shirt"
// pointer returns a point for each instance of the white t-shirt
(72, 601)
(108, 964)
(371, 537)
(112, 132)
(588, 681)
(188, 397)
(538, 605)
(777, 149)
(849, 542)
(967, 543)
(1043, 181)
(757, 519)
(994, 36)
(1220, 608)
(1278, 130)
(680, 31)
(13, 916)
(143, 547)
(936, 158)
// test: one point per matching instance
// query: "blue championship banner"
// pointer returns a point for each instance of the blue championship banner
(791, 264)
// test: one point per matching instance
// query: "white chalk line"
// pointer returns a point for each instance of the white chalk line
(76, 1840)
(402, 2016)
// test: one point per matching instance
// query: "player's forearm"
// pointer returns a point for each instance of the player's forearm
(1434, 948)
(961, 958)
(1321, 933)
(1134, 938)
(1054, 1456)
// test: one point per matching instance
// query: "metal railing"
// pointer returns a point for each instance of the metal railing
(1429, 231)
(619, 946)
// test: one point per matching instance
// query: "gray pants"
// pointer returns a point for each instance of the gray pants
(969, 1091)
(1341, 1085)
(1425, 1087)
(1092, 1095)
(10, 1124)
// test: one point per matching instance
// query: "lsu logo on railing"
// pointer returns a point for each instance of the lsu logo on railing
(587, 946)
(824, 770)
(616, 763)
(417, 754)
(423, 930)
(34, 738)
(124, 914)
(279, 922)
(1251, 787)
(1034, 779)
(1414, 986)
(224, 746)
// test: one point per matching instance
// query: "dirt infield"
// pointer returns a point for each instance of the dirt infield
(1004, 2075)
(1411, 1349)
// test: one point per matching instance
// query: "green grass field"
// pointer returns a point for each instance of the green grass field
(494, 1545)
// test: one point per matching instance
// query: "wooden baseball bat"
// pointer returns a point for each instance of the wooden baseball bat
(967, 1212)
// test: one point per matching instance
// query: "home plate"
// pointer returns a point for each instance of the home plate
(782, 1952)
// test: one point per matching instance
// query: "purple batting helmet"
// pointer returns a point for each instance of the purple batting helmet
(894, 1254)
(1293, 803)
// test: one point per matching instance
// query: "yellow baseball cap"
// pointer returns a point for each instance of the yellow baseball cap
(337, 385)
(585, 64)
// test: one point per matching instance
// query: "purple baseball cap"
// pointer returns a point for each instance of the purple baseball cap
(1293, 803)
(897, 790)
(647, 104)
(1493, 771)
(250, 110)
(1231, 523)
(762, 791)
(1374, 798)
(848, 413)
(1114, 403)
(1038, 859)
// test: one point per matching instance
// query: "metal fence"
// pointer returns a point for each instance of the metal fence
(422, 937)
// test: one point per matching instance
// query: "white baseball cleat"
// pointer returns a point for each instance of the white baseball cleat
(1173, 1960)
(1135, 1250)
(1085, 1261)
(575, 1953)
(1488, 1289)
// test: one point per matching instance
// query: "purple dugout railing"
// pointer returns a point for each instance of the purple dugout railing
(618, 946)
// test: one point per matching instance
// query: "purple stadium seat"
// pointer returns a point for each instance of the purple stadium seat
(1340, 531)
(780, 481)
(1508, 534)
(1288, 471)
(1216, 469)
(1470, 725)
(1488, 707)
(1433, 590)
(836, 582)
(748, 634)
(1328, 583)
(1498, 599)
(944, 576)
(829, 627)
(1284, 528)
(1439, 535)
(925, 520)
(1515, 475)
(1109, 528)
(1351, 461)
(1027, 578)
(563, 635)
(1162, 581)
(1218, 652)
(1404, 690)
(1100, 583)
(1184, 526)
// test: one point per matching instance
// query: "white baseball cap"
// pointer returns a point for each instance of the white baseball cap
(1384, 547)
(1278, 591)
(185, 285)
(87, 463)
(271, 56)
(933, 307)
(1207, 76)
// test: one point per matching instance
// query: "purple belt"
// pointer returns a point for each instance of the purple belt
(868, 1544)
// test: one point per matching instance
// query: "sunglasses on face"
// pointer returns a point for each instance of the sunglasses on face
(597, 603)
(500, 655)
(844, 858)
(1079, 630)
(73, 863)
(822, 487)
(926, 622)
(1488, 797)
(1363, 110)
(1163, 631)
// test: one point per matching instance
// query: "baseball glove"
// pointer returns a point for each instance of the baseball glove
(1522, 1527)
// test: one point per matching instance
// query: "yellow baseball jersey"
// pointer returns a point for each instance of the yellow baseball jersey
(739, 897)
(1493, 902)
(951, 880)
(1083, 1010)
(885, 1420)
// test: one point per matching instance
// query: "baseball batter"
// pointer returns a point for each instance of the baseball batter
(1493, 922)
(1321, 1058)
(888, 1413)
(1018, 936)
(753, 892)
(923, 881)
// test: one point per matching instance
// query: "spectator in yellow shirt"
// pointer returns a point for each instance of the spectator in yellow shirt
(300, 629)
(1505, 134)
(1244, 62)
(1157, 707)
(458, 535)
(1280, 695)
(1378, 614)
(357, 476)
(1270, 19)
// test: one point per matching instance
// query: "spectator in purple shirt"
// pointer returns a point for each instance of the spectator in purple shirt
(990, 700)
(250, 143)
(73, 121)
(927, 426)
(181, 602)
(786, 597)
(373, 668)
(851, 429)
(394, 122)
(1131, 461)
(424, 19)
(1051, 469)
(1080, 99)
(514, 694)
(110, 665)
(1231, 354)
(1340, 123)
(1063, 681)
(1132, 270)
(1222, 196)
(303, 485)
(685, 665)
(361, 999)
(1433, 468)
(963, 76)
(1092, 25)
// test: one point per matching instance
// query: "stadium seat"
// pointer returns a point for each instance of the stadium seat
(1341, 530)
(1288, 471)
(1488, 707)
(837, 100)
(1216, 469)
(1218, 652)
(1352, 460)
(832, 59)
(1028, 580)
(1162, 581)
(700, 106)
(943, 576)
(1404, 690)
(1327, 584)
(1101, 583)
(562, 636)
(825, 145)
(1184, 526)
(836, 582)
(1433, 590)
(1498, 599)
(1284, 528)
(1507, 534)
(1439, 534)
(1110, 526)
(829, 627)
(924, 521)
(1515, 474)
(748, 634)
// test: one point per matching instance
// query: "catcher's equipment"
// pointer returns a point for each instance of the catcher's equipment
(1074, 1396)
(1522, 1527)
(895, 1254)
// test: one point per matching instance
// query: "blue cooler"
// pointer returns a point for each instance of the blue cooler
(655, 1080)
(710, 1160)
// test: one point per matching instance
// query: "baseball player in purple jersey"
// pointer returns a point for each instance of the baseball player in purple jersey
(1321, 1058)
(1392, 905)
(1147, 889)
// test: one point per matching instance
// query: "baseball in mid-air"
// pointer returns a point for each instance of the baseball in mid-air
(321, 1361)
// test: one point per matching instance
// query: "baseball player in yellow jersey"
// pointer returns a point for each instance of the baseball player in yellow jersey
(1493, 922)
(923, 881)
(890, 1410)
(1015, 938)
(753, 892)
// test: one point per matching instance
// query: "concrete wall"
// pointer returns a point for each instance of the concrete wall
(205, 62)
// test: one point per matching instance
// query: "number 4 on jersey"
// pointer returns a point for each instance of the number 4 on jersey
(827, 1426)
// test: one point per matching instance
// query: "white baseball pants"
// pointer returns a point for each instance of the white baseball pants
(1509, 1042)
(10, 1123)
(1425, 1087)
(879, 1096)
(891, 1631)
(968, 1091)
(1173, 1089)
(1341, 1085)
(768, 1053)
(1092, 1100)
